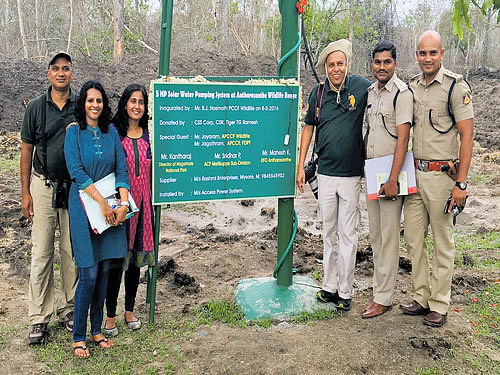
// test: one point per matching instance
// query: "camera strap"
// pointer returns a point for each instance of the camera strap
(317, 113)
(43, 112)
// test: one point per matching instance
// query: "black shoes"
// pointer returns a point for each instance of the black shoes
(326, 297)
(343, 304)
(38, 334)
(339, 302)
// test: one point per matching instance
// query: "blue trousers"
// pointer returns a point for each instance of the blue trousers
(90, 292)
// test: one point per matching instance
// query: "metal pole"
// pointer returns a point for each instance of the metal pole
(166, 36)
(163, 70)
(289, 29)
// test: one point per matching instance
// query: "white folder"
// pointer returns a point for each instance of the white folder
(105, 186)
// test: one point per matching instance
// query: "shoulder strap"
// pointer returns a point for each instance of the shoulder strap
(317, 113)
(450, 110)
(395, 99)
(44, 138)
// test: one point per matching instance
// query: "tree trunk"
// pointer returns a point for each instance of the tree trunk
(351, 20)
(21, 29)
(118, 16)
(224, 26)
(70, 31)
(37, 26)
(486, 43)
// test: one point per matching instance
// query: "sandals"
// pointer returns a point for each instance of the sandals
(104, 343)
(110, 332)
(133, 324)
(84, 353)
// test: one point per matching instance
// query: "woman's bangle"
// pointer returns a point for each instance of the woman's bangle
(124, 203)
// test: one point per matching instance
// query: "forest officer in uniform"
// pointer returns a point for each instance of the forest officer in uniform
(442, 135)
(389, 113)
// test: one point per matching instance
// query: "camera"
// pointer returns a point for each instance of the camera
(60, 194)
(455, 210)
(311, 177)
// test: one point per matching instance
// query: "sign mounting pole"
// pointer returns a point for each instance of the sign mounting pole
(163, 70)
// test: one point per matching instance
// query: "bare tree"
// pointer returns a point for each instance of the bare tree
(351, 20)
(224, 27)
(21, 29)
(70, 31)
(118, 16)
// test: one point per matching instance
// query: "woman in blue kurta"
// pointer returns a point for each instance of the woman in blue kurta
(93, 150)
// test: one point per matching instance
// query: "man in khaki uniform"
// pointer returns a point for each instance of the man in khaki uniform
(443, 129)
(389, 113)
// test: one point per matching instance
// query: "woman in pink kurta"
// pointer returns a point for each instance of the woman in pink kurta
(131, 120)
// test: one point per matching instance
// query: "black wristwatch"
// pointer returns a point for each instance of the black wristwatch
(462, 185)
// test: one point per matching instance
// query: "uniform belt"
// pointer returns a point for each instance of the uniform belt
(429, 166)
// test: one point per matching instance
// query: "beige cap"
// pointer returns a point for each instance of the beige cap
(55, 54)
(342, 45)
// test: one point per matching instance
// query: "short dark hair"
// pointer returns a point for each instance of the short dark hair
(80, 115)
(120, 119)
(384, 45)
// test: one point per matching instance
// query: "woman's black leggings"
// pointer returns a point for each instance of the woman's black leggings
(131, 283)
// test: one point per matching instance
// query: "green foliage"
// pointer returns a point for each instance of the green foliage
(225, 311)
(486, 241)
(431, 370)
(306, 317)
(10, 164)
(481, 248)
(485, 312)
(317, 275)
(461, 13)
(4, 333)
(482, 178)
(151, 350)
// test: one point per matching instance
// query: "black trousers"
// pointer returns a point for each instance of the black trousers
(131, 284)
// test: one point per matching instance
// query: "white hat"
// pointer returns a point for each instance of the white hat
(342, 45)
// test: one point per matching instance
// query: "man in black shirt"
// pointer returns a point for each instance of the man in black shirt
(42, 136)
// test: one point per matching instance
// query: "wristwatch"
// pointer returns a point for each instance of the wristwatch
(462, 185)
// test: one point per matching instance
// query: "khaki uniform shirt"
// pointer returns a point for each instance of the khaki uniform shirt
(434, 136)
(384, 117)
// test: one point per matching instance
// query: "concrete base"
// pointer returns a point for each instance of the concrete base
(262, 298)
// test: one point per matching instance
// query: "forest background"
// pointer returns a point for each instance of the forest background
(107, 30)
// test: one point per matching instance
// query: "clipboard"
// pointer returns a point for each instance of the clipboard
(105, 186)
(377, 171)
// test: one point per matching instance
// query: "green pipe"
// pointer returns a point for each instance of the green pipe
(288, 248)
(289, 53)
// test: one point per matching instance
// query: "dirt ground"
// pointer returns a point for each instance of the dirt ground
(206, 248)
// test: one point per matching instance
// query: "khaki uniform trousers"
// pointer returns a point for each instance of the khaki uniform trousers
(385, 219)
(338, 200)
(41, 294)
(421, 209)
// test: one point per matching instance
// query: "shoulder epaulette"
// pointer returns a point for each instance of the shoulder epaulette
(400, 85)
(414, 77)
(453, 75)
